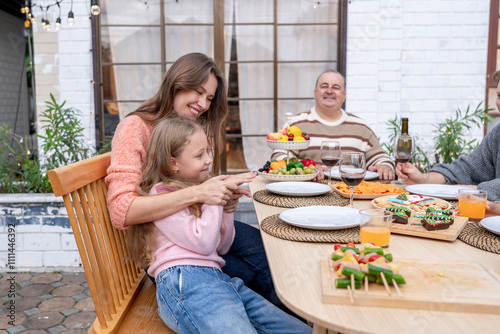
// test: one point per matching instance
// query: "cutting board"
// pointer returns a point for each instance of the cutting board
(462, 287)
(450, 234)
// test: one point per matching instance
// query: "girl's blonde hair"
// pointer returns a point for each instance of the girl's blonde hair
(190, 72)
(169, 139)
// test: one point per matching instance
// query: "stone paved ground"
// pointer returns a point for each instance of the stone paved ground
(52, 303)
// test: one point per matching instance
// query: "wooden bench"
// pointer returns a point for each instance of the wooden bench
(124, 297)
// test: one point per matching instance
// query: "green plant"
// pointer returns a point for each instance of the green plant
(19, 168)
(106, 145)
(63, 140)
(21, 171)
(450, 141)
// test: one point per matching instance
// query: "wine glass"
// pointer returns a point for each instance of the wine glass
(404, 147)
(352, 170)
(330, 155)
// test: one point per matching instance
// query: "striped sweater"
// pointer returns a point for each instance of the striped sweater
(352, 132)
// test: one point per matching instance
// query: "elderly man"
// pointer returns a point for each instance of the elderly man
(328, 121)
(480, 169)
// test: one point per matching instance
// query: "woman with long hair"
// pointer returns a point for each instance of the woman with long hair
(195, 88)
(183, 251)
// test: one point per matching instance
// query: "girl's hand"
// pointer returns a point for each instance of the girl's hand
(232, 204)
(215, 191)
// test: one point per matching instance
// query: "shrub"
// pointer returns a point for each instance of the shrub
(21, 171)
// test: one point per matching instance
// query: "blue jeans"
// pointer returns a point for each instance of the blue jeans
(193, 299)
(247, 260)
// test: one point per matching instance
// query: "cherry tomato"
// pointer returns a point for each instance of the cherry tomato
(351, 245)
(374, 257)
(337, 246)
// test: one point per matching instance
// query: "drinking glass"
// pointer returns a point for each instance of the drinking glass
(375, 227)
(330, 155)
(404, 147)
(472, 203)
(352, 170)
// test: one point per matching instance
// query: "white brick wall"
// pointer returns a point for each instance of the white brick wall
(421, 59)
(63, 63)
(43, 236)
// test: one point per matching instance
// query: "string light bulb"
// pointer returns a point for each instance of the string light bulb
(94, 7)
(58, 20)
(71, 18)
(25, 9)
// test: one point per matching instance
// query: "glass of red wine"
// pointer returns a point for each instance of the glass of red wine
(352, 170)
(404, 147)
(330, 155)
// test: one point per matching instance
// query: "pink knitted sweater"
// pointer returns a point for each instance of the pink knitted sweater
(183, 239)
(128, 155)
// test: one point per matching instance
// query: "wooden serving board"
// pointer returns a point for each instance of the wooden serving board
(449, 234)
(464, 287)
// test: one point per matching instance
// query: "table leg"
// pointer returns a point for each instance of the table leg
(317, 329)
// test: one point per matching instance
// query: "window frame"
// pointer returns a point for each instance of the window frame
(218, 25)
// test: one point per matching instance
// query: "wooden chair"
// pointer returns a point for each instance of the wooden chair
(124, 297)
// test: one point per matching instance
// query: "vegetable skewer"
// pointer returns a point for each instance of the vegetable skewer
(397, 287)
(385, 283)
(349, 290)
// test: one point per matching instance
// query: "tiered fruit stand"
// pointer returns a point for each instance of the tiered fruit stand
(288, 146)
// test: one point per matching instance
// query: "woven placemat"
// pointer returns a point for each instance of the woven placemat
(266, 197)
(475, 235)
(276, 227)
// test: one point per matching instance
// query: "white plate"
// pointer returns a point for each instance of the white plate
(288, 145)
(298, 188)
(322, 217)
(276, 177)
(492, 224)
(443, 191)
(368, 176)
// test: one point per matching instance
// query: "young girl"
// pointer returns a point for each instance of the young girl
(184, 249)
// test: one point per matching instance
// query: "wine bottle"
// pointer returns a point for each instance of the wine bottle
(404, 126)
(404, 150)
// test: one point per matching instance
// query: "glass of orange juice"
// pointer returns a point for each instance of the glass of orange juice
(472, 203)
(376, 226)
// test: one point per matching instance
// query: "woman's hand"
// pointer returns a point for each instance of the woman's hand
(239, 179)
(215, 191)
(493, 208)
(409, 174)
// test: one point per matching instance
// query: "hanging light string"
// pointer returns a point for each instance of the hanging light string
(28, 6)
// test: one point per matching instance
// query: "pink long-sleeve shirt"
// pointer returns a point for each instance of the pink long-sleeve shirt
(183, 239)
(129, 144)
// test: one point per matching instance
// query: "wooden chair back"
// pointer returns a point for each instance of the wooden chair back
(114, 280)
